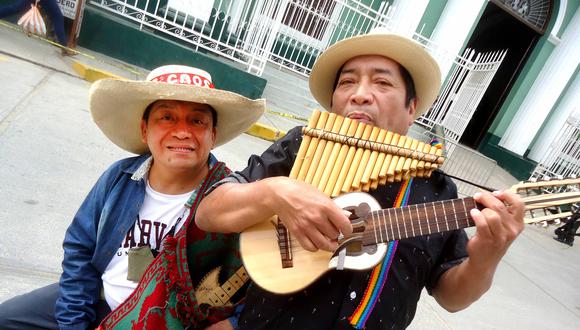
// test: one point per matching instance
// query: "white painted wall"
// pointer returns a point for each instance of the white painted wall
(544, 93)
(407, 14)
(456, 21)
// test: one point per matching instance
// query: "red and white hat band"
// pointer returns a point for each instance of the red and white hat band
(178, 74)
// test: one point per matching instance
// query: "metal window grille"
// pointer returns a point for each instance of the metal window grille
(563, 156)
(462, 92)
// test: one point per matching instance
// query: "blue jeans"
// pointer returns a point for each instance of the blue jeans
(35, 310)
(50, 7)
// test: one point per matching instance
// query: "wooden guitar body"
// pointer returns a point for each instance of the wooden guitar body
(286, 267)
(261, 254)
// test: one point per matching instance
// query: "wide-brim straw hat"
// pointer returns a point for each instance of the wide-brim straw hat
(117, 106)
(379, 41)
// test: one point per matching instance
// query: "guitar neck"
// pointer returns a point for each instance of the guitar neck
(435, 217)
(418, 220)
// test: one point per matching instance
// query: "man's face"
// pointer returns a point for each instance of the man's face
(179, 134)
(370, 89)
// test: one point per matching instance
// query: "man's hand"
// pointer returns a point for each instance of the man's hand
(497, 226)
(313, 218)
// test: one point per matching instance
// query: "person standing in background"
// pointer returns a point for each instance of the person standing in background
(50, 7)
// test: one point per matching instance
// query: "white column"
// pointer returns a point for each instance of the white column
(407, 14)
(456, 21)
(545, 91)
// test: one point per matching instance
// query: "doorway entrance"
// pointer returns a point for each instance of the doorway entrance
(499, 27)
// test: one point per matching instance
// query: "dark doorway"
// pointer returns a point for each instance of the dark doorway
(497, 30)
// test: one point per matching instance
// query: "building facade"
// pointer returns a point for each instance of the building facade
(526, 51)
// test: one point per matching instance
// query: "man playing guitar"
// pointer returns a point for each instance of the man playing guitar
(387, 81)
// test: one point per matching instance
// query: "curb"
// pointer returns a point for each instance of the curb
(265, 132)
(91, 74)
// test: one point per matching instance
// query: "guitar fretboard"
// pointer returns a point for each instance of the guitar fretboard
(418, 220)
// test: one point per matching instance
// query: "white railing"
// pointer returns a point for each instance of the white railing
(293, 33)
(213, 30)
(463, 162)
(462, 92)
(563, 157)
(290, 33)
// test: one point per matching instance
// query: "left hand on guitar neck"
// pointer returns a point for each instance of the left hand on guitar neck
(497, 226)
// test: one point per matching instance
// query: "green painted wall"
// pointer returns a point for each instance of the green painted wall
(114, 37)
(518, 166)
(571, 8)
(431, 17)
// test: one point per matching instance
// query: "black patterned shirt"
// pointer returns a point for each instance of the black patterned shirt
(328, 303)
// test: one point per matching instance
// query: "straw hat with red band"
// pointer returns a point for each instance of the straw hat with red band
(117, 106)
(379, 41)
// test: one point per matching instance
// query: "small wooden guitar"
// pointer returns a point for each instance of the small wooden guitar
(278, 264)
(210, 292)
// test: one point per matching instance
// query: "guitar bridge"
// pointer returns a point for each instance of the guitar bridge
(284, 245)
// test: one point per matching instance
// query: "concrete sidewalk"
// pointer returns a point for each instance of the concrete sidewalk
(51, 154)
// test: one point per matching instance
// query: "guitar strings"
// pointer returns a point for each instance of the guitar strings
(424, 226)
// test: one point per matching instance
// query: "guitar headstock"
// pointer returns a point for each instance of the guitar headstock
(549, 201)
(549, 185)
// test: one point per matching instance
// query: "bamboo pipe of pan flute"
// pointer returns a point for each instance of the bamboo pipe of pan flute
(366, 154)
(304, 146)
(324, 171)
(311, 170)
(344, 158)
(388, 160)
(348, 183)
(337, 157)
(395, 149)
(373, 161)
(344, 183)
(303, 171)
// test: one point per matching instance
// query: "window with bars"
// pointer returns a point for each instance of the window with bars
(535, 13)
(310, 17)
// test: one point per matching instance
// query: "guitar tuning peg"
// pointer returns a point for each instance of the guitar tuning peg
(534, 179)
(544, 224)
(557, 221)
(560, 177)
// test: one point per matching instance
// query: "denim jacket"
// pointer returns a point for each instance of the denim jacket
(94, 236)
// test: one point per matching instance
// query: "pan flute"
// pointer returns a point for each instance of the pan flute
(339, 155)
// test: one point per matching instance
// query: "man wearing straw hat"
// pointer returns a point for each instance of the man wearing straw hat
(388, 81)
(142, 207)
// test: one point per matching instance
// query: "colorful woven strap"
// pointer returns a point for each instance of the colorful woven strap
(380, 272)
(435, 142)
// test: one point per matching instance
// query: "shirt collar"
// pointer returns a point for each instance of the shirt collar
(144, 168)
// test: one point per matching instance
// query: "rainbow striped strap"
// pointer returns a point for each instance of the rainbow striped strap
(379, 275)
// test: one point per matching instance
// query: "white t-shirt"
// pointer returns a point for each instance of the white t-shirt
(157, 217)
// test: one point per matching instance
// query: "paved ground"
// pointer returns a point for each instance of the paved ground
(51, 154)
